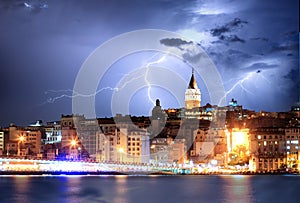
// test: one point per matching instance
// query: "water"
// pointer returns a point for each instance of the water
(152, 189)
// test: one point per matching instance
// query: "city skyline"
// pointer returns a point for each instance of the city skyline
(45, 43)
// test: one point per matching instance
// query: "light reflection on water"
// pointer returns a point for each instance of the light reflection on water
(20, 185)
(131, 189)
(237, 189)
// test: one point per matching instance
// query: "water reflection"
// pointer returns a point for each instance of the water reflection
(83, 189)
(237, 188)
(149, 189)
(121, 190)
(21, 186)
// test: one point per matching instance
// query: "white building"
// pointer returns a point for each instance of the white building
(53, 133)
(123, 145)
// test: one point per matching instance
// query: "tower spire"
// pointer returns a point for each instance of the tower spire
(193, 83)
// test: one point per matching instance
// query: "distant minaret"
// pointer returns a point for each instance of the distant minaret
(192, 94)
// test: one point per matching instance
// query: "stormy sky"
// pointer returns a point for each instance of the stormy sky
(43, 44)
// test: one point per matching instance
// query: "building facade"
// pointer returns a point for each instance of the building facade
(53, 133)
(292, 137)
(267, 149)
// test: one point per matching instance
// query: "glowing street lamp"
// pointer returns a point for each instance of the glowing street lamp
(22, 138)
(72, 145)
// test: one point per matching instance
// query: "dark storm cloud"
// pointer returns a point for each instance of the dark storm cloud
(231, 38)
(187, 48)
(228, 27)
(223, 32)
(174, 42)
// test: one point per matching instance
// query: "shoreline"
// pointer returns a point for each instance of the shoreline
(115, 173)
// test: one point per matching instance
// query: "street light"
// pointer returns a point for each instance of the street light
(72, 145)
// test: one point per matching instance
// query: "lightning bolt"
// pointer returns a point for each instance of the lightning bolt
(72, 94)
(148, 65)
(240, 83)
(69, 93)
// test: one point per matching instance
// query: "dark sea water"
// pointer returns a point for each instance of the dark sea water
(152, 189)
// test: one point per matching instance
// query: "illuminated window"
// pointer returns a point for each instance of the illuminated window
(276, 142)
(265, 143)
(294, 141)
(259, 137)
(288, 147)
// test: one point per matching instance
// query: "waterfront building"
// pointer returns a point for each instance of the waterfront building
(134, 145)
(106, 141)
(168, 151)
(267, 149)
(220, 145)
(123, 145)
(24, 141)
(87, 131)
(238, 145)
(52, 133)
(203, 146)
(292, 137)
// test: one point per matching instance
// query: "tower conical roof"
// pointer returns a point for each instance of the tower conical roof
(193, 83)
